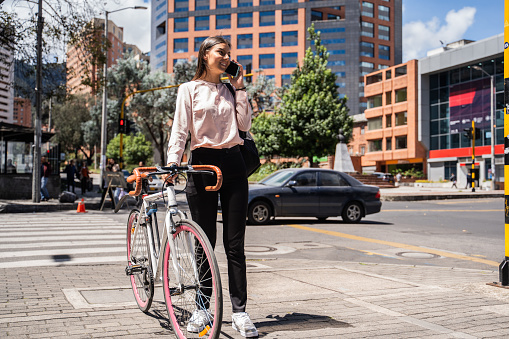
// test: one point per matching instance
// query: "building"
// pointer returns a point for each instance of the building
(6, 88)
(80, 63)
(392, 120)
(270, 35)
(452, 93)
(358, 145)
(22, 112)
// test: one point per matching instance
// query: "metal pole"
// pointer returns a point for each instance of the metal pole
(503, 269)
(472, 176)
(492, 140)
(36, 171)
(104, 120)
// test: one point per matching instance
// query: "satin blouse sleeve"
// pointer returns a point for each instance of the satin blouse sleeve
(181, 125)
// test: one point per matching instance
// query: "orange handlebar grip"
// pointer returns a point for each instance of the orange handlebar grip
(139, 174)
(219, 175)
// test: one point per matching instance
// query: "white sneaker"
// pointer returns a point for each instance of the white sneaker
(198, 321)
(242, 323)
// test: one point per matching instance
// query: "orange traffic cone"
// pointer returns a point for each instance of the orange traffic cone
(81, 207)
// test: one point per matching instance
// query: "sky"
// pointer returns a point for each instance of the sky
(425, 22)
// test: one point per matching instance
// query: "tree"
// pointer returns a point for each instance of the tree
(267, 133)
(263, 93)
(311, 111)
(136, 148)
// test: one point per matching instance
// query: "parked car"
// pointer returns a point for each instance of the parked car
(311, 192)
(156, 184)
(385, 176)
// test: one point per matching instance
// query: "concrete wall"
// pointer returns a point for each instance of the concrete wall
(19, 186)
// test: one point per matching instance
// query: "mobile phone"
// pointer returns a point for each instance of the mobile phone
(233, 69)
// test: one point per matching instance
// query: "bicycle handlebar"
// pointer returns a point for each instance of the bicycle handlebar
(143, 172)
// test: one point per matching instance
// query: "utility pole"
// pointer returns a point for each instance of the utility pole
(36, 170)
(104, 117)
(472, 176)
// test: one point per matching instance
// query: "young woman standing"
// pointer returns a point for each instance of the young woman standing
(207, 109)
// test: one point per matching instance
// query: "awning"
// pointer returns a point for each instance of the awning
(11, 132)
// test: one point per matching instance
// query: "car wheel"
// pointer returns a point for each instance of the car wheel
(259, 213)
(352, 213)
(321, 219)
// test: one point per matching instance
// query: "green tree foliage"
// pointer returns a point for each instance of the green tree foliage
(311, 112)
(267, 132)
(263, 93)
(136, 148)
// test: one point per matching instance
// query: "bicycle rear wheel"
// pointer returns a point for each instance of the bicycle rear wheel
(200, 287)
(138, 262)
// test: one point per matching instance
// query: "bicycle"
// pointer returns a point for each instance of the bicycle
(182, 256)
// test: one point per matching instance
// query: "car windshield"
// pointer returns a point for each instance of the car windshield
(277, 178)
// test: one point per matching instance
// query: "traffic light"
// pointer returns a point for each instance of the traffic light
(249, 79)
(468, 133)
(121, 125)
(477, 133)
(128, 124)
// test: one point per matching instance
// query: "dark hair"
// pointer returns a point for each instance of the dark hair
(206, 45)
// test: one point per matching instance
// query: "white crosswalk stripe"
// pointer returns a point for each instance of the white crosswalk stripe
(61, 238)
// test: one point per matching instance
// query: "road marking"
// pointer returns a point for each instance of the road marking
(433, 210)
(62, 251)
(397, 245)
(72, 261)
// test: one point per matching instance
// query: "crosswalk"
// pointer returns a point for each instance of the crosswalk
(61, 238)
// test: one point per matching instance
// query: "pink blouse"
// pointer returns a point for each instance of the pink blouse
(206, 109)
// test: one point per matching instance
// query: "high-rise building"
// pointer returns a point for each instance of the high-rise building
(6, 85)
(81, 65)
(271, 35)
(22, 112)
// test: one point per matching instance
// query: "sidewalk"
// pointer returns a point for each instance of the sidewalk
(288, 298)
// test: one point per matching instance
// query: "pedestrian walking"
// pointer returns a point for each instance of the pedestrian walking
(213, 115)
(398, 178)
(45, 174)
(71, 172)
(469, 180)
(453, 179)
(85, 176)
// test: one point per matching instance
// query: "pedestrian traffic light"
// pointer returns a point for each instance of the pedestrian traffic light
(121, 125)
(477, 133)
(468, 133)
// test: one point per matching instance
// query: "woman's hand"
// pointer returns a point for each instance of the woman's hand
(237, 82)
(164, 176)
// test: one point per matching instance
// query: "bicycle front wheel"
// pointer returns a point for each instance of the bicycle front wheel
(138, 262)
(191, 283)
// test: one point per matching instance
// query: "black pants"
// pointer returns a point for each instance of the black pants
(233, 195)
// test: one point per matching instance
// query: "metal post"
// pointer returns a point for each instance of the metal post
(492, 139)
(36, 171)
(104, 120)
(503, 269)
(472, 176)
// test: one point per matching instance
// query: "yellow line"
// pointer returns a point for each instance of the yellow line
(433, 210)
(397, 245)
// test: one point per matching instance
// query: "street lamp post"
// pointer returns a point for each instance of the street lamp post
(478, 68)
(104, 116)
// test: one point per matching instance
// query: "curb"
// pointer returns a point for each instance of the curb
(422, 197)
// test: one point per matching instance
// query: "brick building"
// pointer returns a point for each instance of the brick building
(22, 112)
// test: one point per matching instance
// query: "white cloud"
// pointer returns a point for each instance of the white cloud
(420, 37)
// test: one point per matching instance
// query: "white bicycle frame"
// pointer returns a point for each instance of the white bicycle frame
(156, 259)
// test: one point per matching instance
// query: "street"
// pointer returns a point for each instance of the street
(417, 269)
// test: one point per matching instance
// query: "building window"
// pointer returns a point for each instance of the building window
(197, 42)
(342, 85)
(159, 16)
(201, 5)
(384, 13)
(384, 32)
(161, 44)
(401, 142)
(267, 2)
(363, 129)
(367, 29)
(267, 40)
(223, 4)
(400, 71)
(245, 3)
(401, 119)
(180, 24)
(400, 95)
(373, 79)
(384, 52)
(201, 23)
(268, 18)
(316, 15)
(161, 5)
(181, 5)
(244, 20)
(341, 75)
(363, 150)
(179, 61)
(290, 1)
(244, 41)
(337, 63)
(388, 74)
(367, 9)
(290, 38)
(388, 120)
(289, 60)
(245, 60)
(290, 17)
(388, 98)
(336, 51)
(375, 123)
(161, 29)
(223, 21)
(266, 61)
(163, 53)
(286, 79)
(180, 45)
(388, 144)
(367, 49)
(375, 101)
(375, 145)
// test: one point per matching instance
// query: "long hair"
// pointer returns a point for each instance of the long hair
(206, 45)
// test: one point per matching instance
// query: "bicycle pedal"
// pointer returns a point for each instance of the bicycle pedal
(135, 269)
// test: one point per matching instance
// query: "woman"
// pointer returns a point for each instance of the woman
(207, 109)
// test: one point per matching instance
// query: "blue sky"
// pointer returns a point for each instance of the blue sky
(426, 22)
